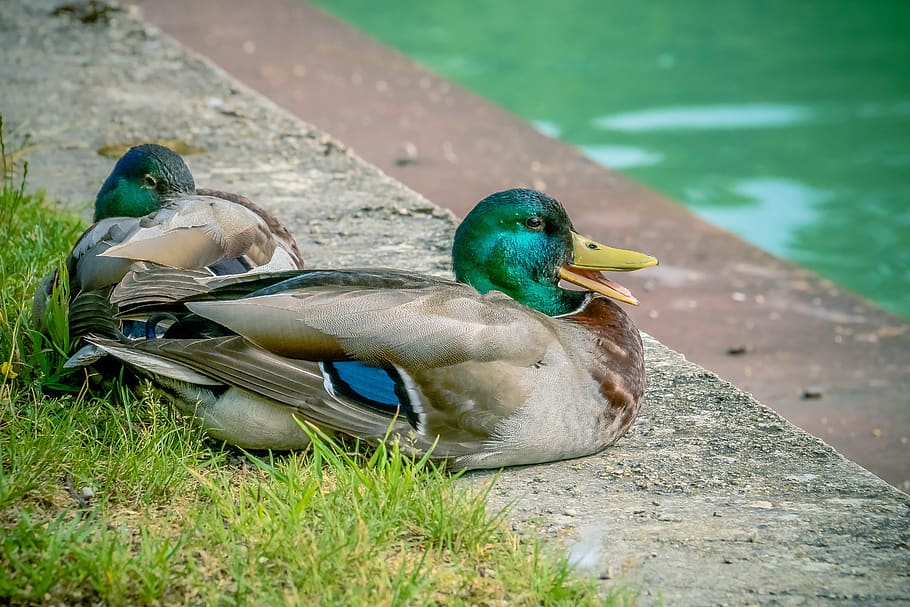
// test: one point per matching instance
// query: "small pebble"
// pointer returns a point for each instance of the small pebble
(87, 493)
(811, 392)
(408, 154)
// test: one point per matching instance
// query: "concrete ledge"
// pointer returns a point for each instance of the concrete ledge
(711, 499)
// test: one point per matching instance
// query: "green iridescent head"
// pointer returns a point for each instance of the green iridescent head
(522, 242)
(144, 179)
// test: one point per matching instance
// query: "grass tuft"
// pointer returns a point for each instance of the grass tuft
(108, 496)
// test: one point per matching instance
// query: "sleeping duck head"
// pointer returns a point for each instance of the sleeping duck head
(143, 180)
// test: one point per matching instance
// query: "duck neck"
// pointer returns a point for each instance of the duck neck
(122, 198)
(549, 299)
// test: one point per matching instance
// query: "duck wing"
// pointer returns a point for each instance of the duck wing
(275, 227)
(206, 232)
(151, 288)
(234, 361)
(87, 271)
(438, 324)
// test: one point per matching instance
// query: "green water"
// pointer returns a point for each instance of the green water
(787, 122)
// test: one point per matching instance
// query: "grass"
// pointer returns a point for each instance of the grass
(107, 496)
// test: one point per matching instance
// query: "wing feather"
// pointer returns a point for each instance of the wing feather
(410, 328)
(198, 231)
(298, 384)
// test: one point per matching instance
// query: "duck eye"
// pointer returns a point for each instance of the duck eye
(150, 182)
(534, 223)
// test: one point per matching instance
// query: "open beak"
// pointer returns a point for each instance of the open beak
(590, 258)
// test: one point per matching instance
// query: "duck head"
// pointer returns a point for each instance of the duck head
(144, 179)
(521, 242)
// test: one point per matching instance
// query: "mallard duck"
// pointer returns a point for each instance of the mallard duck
(150, 176)
(501, 367)
(149, 210)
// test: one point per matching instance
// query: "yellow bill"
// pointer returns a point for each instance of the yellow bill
(590, 258)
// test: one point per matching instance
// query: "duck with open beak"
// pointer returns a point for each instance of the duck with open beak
(591, 258)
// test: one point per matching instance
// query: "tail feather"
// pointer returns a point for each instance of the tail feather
(161, 288)
(91, 313)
